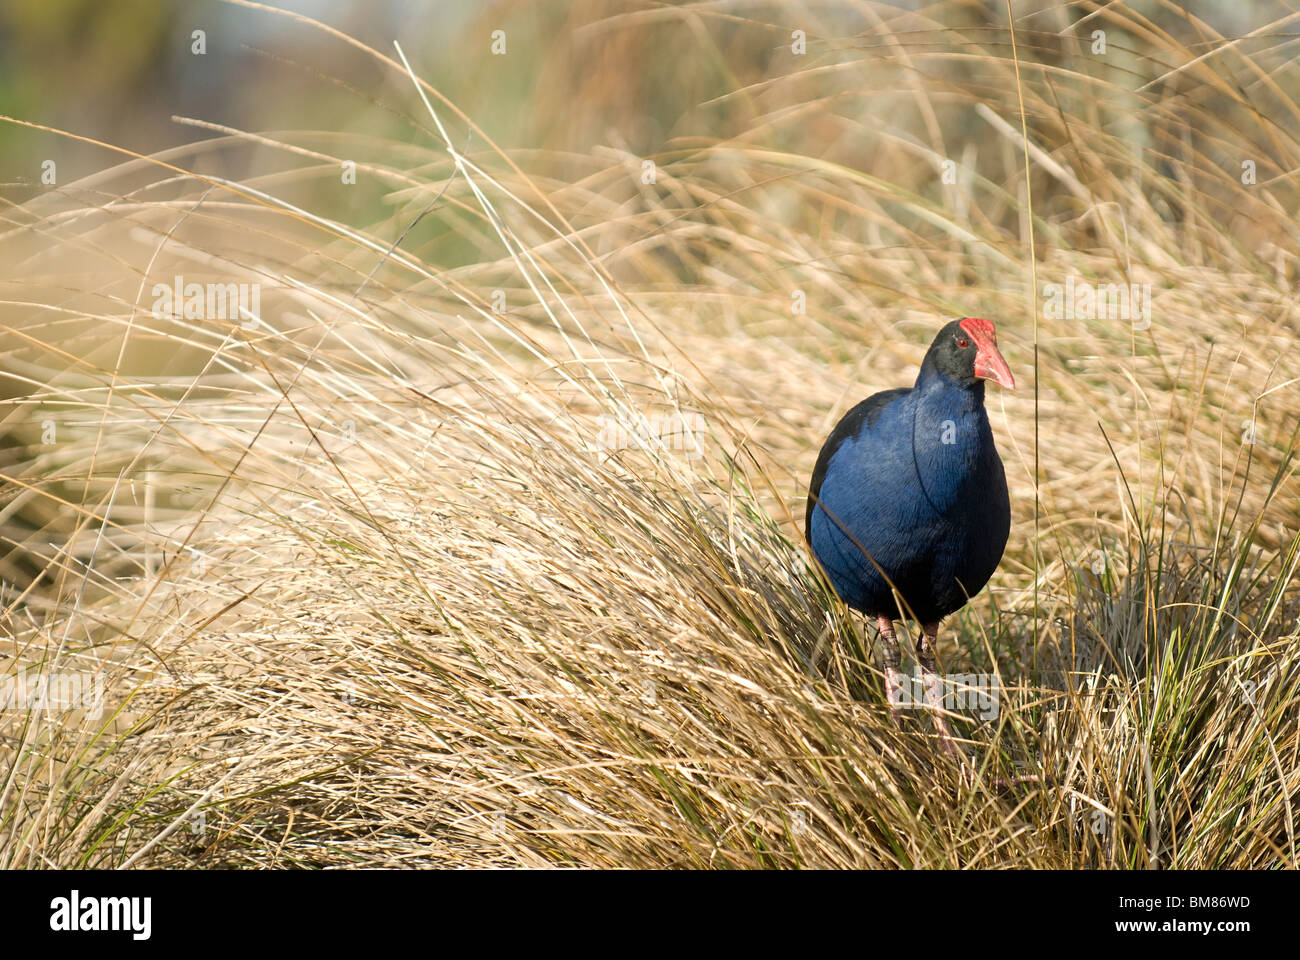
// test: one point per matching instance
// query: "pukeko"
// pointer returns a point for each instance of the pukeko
(909, 500)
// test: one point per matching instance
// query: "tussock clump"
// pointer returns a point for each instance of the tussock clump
(485, 549)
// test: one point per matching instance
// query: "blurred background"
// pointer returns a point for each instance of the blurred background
(748, 215)
(575, 75)
(797, 147)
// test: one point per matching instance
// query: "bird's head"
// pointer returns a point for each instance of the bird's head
(966, 351)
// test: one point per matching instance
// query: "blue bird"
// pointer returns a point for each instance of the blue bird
(908, 511)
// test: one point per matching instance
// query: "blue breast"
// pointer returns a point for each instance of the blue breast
(919, 488)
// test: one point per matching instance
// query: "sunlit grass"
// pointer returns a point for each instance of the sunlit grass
(366, 583)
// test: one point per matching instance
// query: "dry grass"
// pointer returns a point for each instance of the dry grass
(367, 585)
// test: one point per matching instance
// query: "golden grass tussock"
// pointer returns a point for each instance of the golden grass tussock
(477, 538)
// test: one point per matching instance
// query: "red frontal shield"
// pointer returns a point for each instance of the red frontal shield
(989, 362)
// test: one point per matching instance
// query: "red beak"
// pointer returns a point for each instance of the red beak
(989, 363)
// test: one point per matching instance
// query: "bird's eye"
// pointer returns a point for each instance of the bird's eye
(963, 342)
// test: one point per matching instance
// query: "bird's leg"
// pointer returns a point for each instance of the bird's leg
(934, 687)
(889, 660)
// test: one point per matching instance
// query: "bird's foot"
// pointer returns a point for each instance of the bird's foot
(934, 697)
(896, 694)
